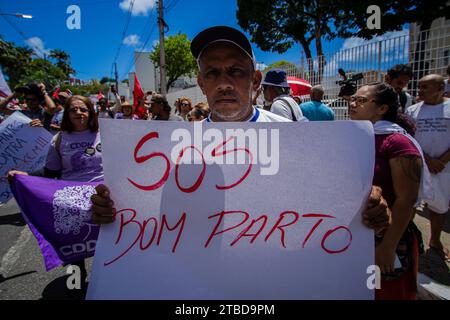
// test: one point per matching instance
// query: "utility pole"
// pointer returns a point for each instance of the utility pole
(162, 57)
(117, 77)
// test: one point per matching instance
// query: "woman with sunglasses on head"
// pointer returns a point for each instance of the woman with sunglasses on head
(75, 151)
(400, 173)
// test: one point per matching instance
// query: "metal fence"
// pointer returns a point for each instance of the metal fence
(426, 51)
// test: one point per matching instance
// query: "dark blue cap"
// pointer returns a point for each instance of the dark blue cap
(276, 77)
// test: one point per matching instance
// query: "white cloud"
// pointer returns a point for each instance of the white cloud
(155, 43)
(140, 7)
(356, 42)
(132, 40)
(38, 46)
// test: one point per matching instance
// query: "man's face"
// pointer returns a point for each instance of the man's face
(398, 83)
(227, 79)
(62, 100)
(156, 108)
(429, 90)
(32, 101)
(268, 94)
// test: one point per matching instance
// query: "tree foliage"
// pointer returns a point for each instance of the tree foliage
(179, 60)
(106, 80)
(276, 25)
(62, 61)
(20, 66)
(85, 90)
(282, 64)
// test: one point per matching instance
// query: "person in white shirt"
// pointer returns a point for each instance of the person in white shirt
(432, 119)
(228, 76)
(276, 92)
(447, 83)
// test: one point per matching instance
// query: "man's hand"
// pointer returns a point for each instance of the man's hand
(385, 258)
(434, 165)
(41, 86)
(12, 173)
(36, 123)
(377, 215)
(103, 211)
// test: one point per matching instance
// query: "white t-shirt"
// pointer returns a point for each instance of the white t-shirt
(433, 127)
(175, 117)
(281, 108)
(409, 100)
(433, 135)
(261, 115)
(172, 117)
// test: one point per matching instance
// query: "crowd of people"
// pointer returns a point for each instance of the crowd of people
(412, 139)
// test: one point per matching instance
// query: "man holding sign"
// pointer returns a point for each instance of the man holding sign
(228, 77)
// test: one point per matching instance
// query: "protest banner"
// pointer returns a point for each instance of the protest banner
(59, 215)
(22, 148)
(235, 211)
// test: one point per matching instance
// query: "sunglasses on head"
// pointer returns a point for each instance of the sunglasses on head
(82, 109)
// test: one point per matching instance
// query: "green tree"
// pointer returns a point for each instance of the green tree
(275, 25)
(282, 64)
(106, 80)
(85, 90)
(20, 67)
(14, 61)
(179, 60)
(62, 61)
(41, 70)
(396, 13)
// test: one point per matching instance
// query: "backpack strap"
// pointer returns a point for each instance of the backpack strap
(294, 118)
(403, 99)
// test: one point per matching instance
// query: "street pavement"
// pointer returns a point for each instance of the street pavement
(23, 275)
(22, 270)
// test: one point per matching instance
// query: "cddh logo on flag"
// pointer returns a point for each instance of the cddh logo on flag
(72, 209)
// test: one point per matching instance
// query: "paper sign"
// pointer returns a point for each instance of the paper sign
(22, 148)
(235, 211)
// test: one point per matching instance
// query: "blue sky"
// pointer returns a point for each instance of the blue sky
(94, 47)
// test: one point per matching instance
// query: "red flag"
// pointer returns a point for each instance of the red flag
(100, 96)
(137, 95)
(55, 94)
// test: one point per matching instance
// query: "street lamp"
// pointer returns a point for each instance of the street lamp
(18, 15)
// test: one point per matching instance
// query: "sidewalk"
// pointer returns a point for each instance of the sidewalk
(434, 277)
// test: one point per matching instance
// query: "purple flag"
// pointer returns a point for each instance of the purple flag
(59, 215)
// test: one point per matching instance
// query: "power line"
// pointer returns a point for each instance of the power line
(125, 28)
(131, 61)
(24, 37)
(171, 5)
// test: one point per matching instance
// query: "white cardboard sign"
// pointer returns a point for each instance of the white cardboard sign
(22, 148)
(286, 226)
